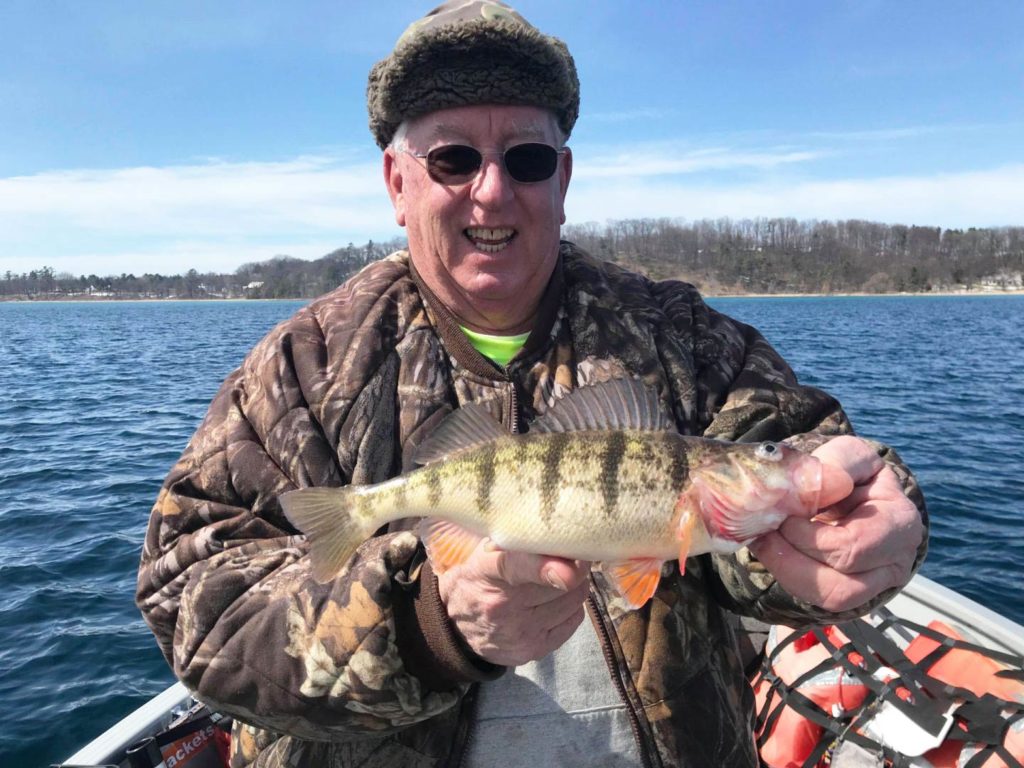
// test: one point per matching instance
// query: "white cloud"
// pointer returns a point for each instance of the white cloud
(217, 215)
(628, 115)
(666, 160)
(213, 215)
(910, 133)
(215, 196)
(982, 198)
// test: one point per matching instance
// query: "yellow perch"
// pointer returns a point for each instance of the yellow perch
(602, 476)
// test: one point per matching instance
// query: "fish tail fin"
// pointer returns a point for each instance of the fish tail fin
(332, 523)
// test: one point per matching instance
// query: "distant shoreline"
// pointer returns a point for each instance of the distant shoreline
(137, 299)
(849, 294)
(854, 294)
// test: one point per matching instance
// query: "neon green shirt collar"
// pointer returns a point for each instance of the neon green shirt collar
(500, 349)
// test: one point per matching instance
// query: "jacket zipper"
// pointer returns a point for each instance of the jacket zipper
(604, 636)
(513, 408)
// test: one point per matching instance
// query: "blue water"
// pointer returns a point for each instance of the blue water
(98, 400)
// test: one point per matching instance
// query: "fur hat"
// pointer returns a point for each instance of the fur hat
(471, 52)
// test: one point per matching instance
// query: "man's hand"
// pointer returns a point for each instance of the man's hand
(514, 607)
(863, 544)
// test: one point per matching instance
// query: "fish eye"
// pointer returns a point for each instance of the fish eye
(769, 451)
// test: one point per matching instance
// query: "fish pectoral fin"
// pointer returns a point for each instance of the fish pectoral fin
(636, 580)
(448, 544)
(689, 518)
(730, 521)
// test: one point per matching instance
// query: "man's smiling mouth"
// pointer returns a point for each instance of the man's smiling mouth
(490, 240)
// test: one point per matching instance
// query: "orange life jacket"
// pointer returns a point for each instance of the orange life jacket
(820, 688)
(975, 672)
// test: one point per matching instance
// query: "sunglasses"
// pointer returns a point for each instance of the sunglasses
(455, 164)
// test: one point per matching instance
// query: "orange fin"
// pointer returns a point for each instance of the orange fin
(447, 544)
(687, 525)
(688, 518)
(636, 580)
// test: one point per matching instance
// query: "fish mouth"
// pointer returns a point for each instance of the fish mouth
(490, 239)
(807, 483)
(800, 492)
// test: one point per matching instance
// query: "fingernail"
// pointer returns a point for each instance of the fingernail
(555, 581)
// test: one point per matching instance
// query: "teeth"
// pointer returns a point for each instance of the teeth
(490, 235)
(490, 240)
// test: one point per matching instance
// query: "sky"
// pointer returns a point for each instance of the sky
(165, 136)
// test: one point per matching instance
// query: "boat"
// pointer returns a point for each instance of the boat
(921, 601)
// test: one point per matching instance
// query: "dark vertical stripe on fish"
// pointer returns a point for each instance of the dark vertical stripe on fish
(434, 487)
(679, 470)
(611, 459)
(551, 478)
(522, 451)
(483, 467)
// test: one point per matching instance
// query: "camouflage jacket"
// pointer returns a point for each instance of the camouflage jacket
(367, 670)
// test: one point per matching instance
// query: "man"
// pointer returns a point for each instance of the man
(390, 664)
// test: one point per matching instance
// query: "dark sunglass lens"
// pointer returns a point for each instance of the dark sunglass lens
(453, 163)
(531, 162)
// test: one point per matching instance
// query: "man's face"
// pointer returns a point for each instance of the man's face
(486, 248)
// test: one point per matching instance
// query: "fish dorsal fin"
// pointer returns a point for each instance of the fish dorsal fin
(615, 404)
(468, 427)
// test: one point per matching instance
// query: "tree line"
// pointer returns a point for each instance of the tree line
(282, 277)
(784, 255)
(722, 256)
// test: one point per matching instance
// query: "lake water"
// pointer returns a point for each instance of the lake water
(99, 399)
